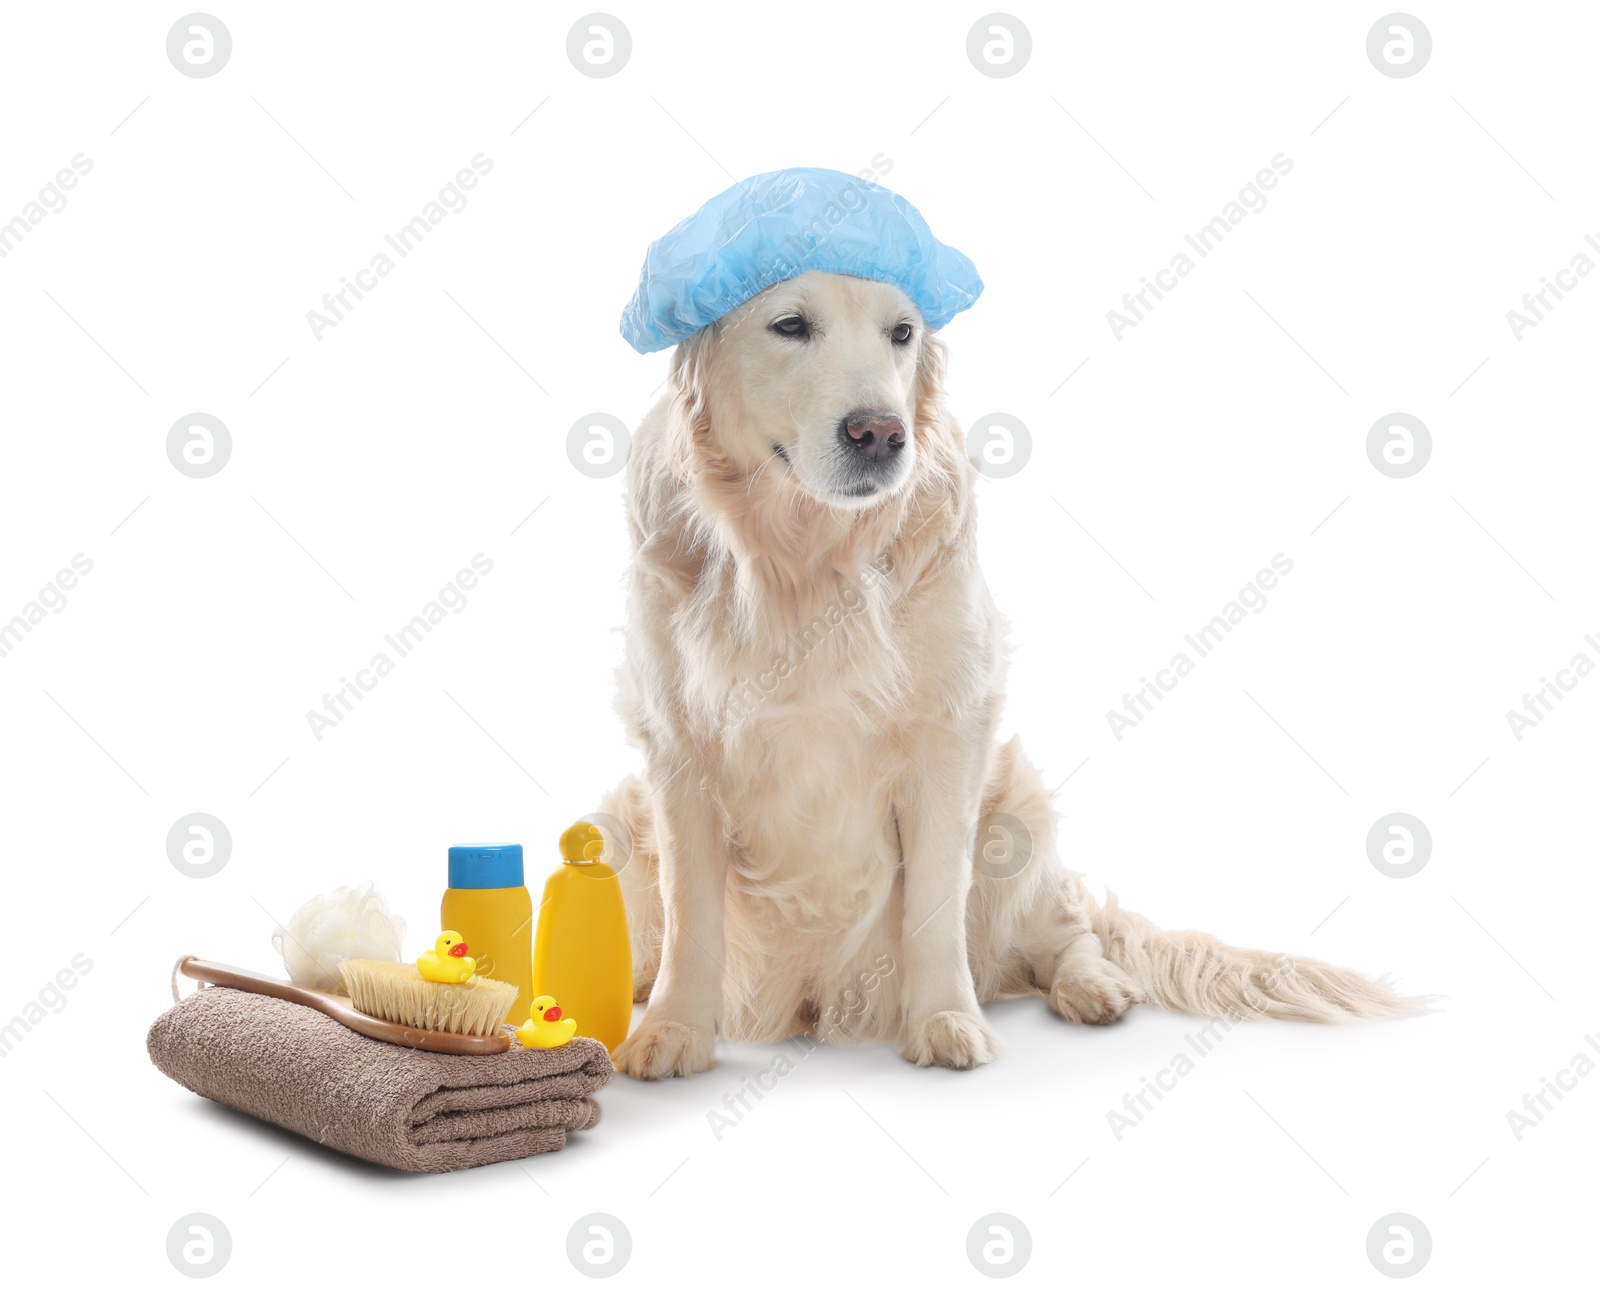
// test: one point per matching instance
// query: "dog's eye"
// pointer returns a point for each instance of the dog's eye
(902, 333)
(793, 325)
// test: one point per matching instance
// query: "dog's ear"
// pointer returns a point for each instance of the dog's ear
(941, 447)
(689, 429)
(928, 387)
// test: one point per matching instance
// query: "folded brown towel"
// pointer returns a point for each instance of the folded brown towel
(413, 1110)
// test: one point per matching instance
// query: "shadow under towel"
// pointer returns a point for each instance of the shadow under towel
(413, 1110)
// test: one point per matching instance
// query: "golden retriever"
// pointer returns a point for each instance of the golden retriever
(829, 839)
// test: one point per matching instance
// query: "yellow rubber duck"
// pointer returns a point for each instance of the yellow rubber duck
(546, 1029)
(448, 962)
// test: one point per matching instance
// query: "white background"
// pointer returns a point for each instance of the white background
(431, 422)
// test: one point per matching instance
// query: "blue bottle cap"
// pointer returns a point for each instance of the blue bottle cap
(485, 866)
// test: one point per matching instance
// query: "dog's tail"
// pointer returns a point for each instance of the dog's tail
(1201, 975)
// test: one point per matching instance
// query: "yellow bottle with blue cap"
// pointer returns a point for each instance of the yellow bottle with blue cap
(488, 904)
(581, 956)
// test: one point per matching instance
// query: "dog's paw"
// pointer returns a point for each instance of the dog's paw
(1095, 992)
(956, 1039)
(664, 1048)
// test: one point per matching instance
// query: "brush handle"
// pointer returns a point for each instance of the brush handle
(340, 1009)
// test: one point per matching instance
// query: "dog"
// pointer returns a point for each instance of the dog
(829, 838)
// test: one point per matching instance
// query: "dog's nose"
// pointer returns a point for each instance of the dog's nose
(874, 434)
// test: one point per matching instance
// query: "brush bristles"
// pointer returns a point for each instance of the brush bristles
(397, 992)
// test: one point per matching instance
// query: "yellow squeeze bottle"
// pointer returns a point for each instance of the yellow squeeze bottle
(581, 956)
(489, 906)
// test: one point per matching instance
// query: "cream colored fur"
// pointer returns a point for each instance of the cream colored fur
(815, 680)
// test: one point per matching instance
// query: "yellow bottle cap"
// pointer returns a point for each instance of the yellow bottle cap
(582, 843)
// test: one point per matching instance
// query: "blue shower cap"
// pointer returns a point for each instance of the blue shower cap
(775, 226)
